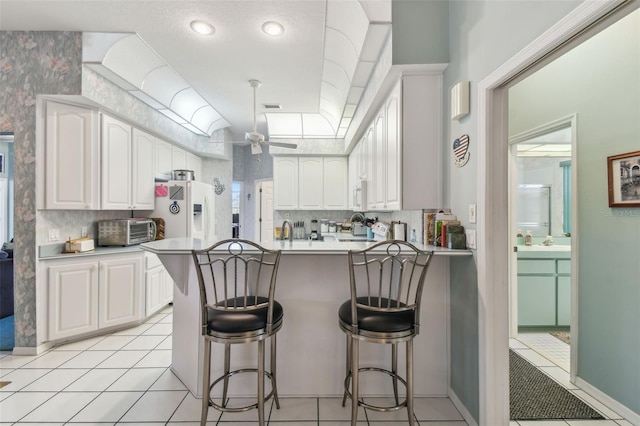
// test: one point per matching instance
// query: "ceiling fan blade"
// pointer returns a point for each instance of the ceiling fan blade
(232, 142)
(281, 144)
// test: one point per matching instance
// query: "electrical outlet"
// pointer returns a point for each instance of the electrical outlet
(53, 235)
(471, 238)
(84, 231)
(286, 215)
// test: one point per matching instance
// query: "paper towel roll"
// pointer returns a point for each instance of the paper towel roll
(400, 231)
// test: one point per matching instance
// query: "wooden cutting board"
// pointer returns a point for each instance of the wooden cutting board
(159, 227)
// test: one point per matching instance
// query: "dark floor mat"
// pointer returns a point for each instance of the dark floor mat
(534, 395)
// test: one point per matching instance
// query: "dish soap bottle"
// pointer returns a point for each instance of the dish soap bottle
(527, 238)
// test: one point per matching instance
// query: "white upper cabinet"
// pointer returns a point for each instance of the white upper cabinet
(162, 159)
(285, 183)
(116, 164)
(335, 183)
(142, 185)
(310, 183)
(195, 163)
(127, 167)
(380, 161)
(178, 158)
(402, 147)
(72, 157)
(392, 153)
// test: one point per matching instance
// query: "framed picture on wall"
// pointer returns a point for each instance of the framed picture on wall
(624, 179)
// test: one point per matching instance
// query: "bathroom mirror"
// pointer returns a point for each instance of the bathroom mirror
(543, 194)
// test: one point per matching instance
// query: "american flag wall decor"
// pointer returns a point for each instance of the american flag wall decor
(460, 150)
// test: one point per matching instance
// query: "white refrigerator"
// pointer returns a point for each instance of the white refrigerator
(188, 209)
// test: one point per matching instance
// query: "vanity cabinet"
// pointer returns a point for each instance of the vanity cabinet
(72, 157)
(544, 292)
(401, 147)
(310, 183)
(89, 295)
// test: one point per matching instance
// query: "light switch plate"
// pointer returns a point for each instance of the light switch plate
(471, 238)
(472, 213)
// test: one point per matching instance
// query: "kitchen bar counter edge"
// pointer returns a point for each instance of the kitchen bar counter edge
(181, 246)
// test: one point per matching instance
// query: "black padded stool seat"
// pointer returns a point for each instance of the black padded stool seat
(230, 321)
(371, 320)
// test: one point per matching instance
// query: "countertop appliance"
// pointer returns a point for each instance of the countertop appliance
(381, 231)
(187, 208)
(358, 229)
(126, 232)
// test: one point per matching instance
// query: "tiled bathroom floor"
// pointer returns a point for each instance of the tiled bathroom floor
(552, 356)
(124, 378)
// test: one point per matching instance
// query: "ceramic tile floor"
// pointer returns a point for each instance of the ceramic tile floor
(552, 356)
(124, 378)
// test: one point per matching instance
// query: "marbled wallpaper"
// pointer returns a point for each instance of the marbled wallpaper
(31, 63)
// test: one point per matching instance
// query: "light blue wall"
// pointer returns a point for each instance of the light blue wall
(483, 35)
(420, 32)
(599, 81)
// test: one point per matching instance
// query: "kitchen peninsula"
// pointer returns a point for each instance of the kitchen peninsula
(312, 283)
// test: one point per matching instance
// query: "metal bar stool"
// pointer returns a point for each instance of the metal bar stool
(237, 280)
(386, 281)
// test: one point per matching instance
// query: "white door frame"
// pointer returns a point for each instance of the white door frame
(493, 238)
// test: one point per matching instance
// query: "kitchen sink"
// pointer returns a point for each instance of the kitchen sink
(352, 240)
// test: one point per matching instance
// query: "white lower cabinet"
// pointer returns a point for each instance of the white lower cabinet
(119, 288)
(158, 285)
(73, 299)
(88, 295)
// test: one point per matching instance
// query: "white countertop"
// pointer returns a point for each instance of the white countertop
(182, 246)
(54, 251)
(540, 251)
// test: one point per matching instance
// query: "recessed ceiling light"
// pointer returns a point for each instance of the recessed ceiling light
(202, 28)
(273, 28)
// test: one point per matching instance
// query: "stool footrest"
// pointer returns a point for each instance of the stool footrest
(361, 403)
(223, 408)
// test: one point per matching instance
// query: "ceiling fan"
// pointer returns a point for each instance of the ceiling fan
(254, 138)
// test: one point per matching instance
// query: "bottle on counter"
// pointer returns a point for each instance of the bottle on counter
(414, 236)
(527, 238)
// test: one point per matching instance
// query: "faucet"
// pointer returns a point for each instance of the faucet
(286, 223)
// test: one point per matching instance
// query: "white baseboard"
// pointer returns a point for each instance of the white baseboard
(606, 400)
(31, 350)
(461, 407)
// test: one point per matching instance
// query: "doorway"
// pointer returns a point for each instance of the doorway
(6, 241)
(540, 206)
(264, 210)
(493, 238)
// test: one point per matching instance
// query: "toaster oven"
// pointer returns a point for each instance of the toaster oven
(125, 232)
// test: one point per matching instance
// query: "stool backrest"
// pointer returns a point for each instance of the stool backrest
(388, 276)
(233, 273)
